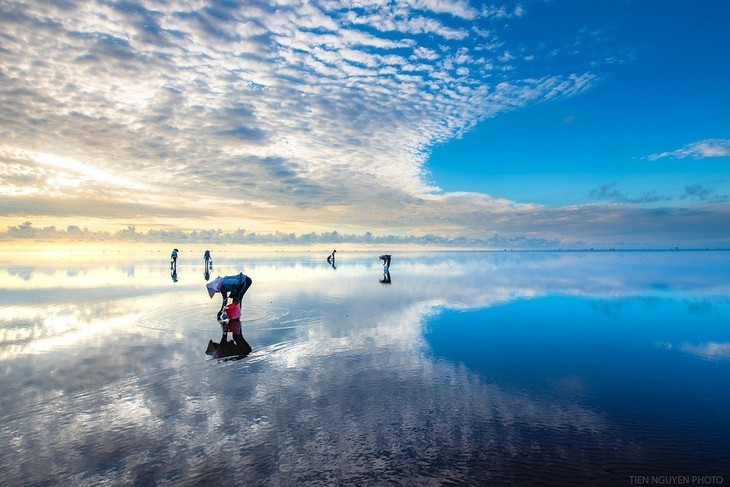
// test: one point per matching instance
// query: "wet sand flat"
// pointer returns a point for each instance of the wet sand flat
(475, 368)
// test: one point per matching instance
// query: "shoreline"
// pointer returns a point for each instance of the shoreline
(48, 251)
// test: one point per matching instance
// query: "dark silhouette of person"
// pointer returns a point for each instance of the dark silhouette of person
(231, 322)
(238, 347)
(386, 261)
(386, 268)
(331, 258)
(223, 349)
(208, 264)
(173, 258)
(386, 277)
(234, 326)
(235, 285)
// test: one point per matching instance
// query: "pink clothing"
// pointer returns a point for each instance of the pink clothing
(233, 310)
(234, 326)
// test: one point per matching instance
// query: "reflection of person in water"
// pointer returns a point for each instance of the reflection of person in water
(230, 321)
(223, 349)
(234, 326)
(235, 285)
(386, 277)
(228, 348)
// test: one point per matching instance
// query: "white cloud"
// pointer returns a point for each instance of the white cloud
(498, 11)
(456, 8)
(697, 150)
(425, 53)
(388, 22)
(302, 113)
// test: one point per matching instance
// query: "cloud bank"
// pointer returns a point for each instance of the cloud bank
(639, 226)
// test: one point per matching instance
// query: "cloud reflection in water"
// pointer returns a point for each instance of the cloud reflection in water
(341, 386)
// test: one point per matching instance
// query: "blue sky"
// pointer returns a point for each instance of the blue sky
(516, 124)
(662, 85)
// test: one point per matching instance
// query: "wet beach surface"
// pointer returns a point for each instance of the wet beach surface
(471, 368)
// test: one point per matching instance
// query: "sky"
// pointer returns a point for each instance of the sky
(529, 124)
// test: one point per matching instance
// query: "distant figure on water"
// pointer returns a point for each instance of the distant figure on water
(331, 258)
(208, 265)
(236, 286)
(173, 258)
(386, 261)
(386, 268)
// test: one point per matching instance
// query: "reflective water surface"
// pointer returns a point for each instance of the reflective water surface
(471, 368)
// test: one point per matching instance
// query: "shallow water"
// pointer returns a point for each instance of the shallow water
(471, 368)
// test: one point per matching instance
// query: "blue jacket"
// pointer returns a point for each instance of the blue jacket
(231, 283)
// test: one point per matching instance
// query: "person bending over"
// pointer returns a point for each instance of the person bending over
(235, 286)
